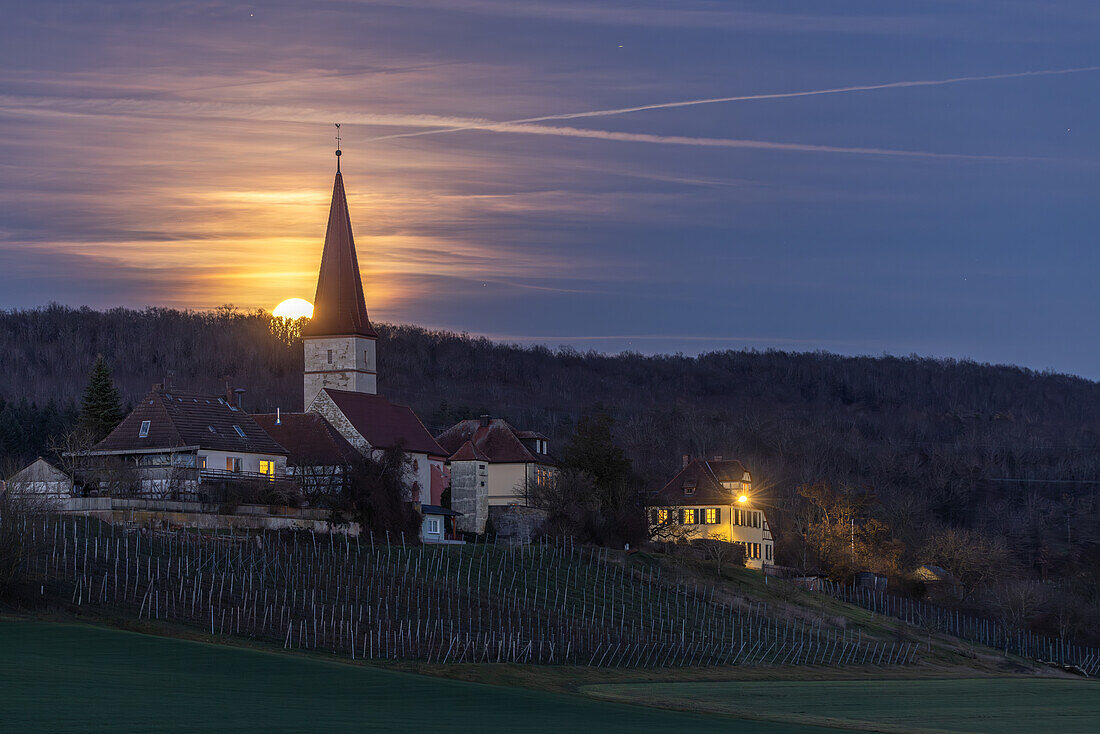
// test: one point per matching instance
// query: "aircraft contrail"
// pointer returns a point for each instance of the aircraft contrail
(750, 97)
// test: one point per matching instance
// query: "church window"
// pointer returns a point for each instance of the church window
(144, 431)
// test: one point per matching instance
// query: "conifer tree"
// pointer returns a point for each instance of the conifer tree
(101, 405)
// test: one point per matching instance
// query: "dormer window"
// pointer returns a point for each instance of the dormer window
(239, 431)
(144, 430)
(688, 491)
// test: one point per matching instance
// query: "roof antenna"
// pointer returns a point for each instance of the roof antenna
(338, 147)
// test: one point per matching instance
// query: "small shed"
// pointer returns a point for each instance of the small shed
(42, 479)
(438, 524)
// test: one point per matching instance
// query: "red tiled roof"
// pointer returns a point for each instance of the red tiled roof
(468, 452)
(385, 424)
(706, 477)
(339, 308)
(498, 441)
(309, 439)
(178, 418)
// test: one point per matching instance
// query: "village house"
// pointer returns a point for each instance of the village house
(493, 464)
(183, 445)
(713, 499)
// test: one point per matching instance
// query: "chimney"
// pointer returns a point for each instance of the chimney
(158, 385)
(686, 460)
(240, 391)
(485, 420)
(169, 379)
(278, 416)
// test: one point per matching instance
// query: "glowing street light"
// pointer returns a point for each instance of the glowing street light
(743, 498)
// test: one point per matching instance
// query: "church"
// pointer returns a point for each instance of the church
(340, 381)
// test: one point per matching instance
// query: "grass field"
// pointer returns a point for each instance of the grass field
(980, 706)
(80, 678)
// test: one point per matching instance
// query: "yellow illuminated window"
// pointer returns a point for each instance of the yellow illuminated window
(712, 516)
(689, 517)
(662, 517)
(268, 468)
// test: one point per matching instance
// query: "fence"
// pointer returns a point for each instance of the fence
(974, 629)
(553, 603)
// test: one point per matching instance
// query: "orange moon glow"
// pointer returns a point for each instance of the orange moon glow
(293, 308)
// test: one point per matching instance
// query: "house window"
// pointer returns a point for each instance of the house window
(233, 464)
(689, 491)
(330, 356)
(431, 526)
(268, 468)
(144, 431)
(767, 553)
(689, 517)
(202, 462)
(711, 516)
(727, 485)
(239, 431)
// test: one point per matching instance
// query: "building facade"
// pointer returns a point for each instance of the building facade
(493, 464)
(713, 499)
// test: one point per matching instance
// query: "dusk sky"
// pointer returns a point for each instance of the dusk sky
(181, 154)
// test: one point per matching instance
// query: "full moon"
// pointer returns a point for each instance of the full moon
(293, 308)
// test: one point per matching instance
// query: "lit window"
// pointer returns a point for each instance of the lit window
(202, 462)
(711, 516)
(239, 431)
(233, 463)
(268, 468)
(144, 431)
(662, 517)
(689, 517)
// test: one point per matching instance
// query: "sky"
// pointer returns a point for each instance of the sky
(681, 176)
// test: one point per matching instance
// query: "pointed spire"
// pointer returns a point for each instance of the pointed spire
(339, 308)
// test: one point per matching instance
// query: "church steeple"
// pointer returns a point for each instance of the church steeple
(339, 308)
(339, 341)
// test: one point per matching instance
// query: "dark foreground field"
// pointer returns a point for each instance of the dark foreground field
(82, 678)
(978, 706)
(77, 678)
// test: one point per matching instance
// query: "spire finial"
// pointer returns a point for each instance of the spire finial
(338, 147)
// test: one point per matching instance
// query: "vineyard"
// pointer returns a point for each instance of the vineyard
(975, 629)
(551, 603)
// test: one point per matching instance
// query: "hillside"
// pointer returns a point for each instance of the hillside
(1005, 452)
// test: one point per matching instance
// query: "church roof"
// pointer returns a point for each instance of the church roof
(309, 439)
(177, 419)
(384, 424)
(339, 308)
(498, 441)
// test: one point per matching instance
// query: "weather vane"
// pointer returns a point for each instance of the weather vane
(338, 147)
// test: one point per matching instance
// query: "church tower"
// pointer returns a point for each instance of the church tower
(339, 340)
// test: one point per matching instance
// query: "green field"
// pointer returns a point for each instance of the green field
(78, 678)
(981, 706)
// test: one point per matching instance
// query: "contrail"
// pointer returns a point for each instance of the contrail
(750, 97)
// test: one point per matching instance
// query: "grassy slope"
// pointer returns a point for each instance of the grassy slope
(981, 706)
(79, 678)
